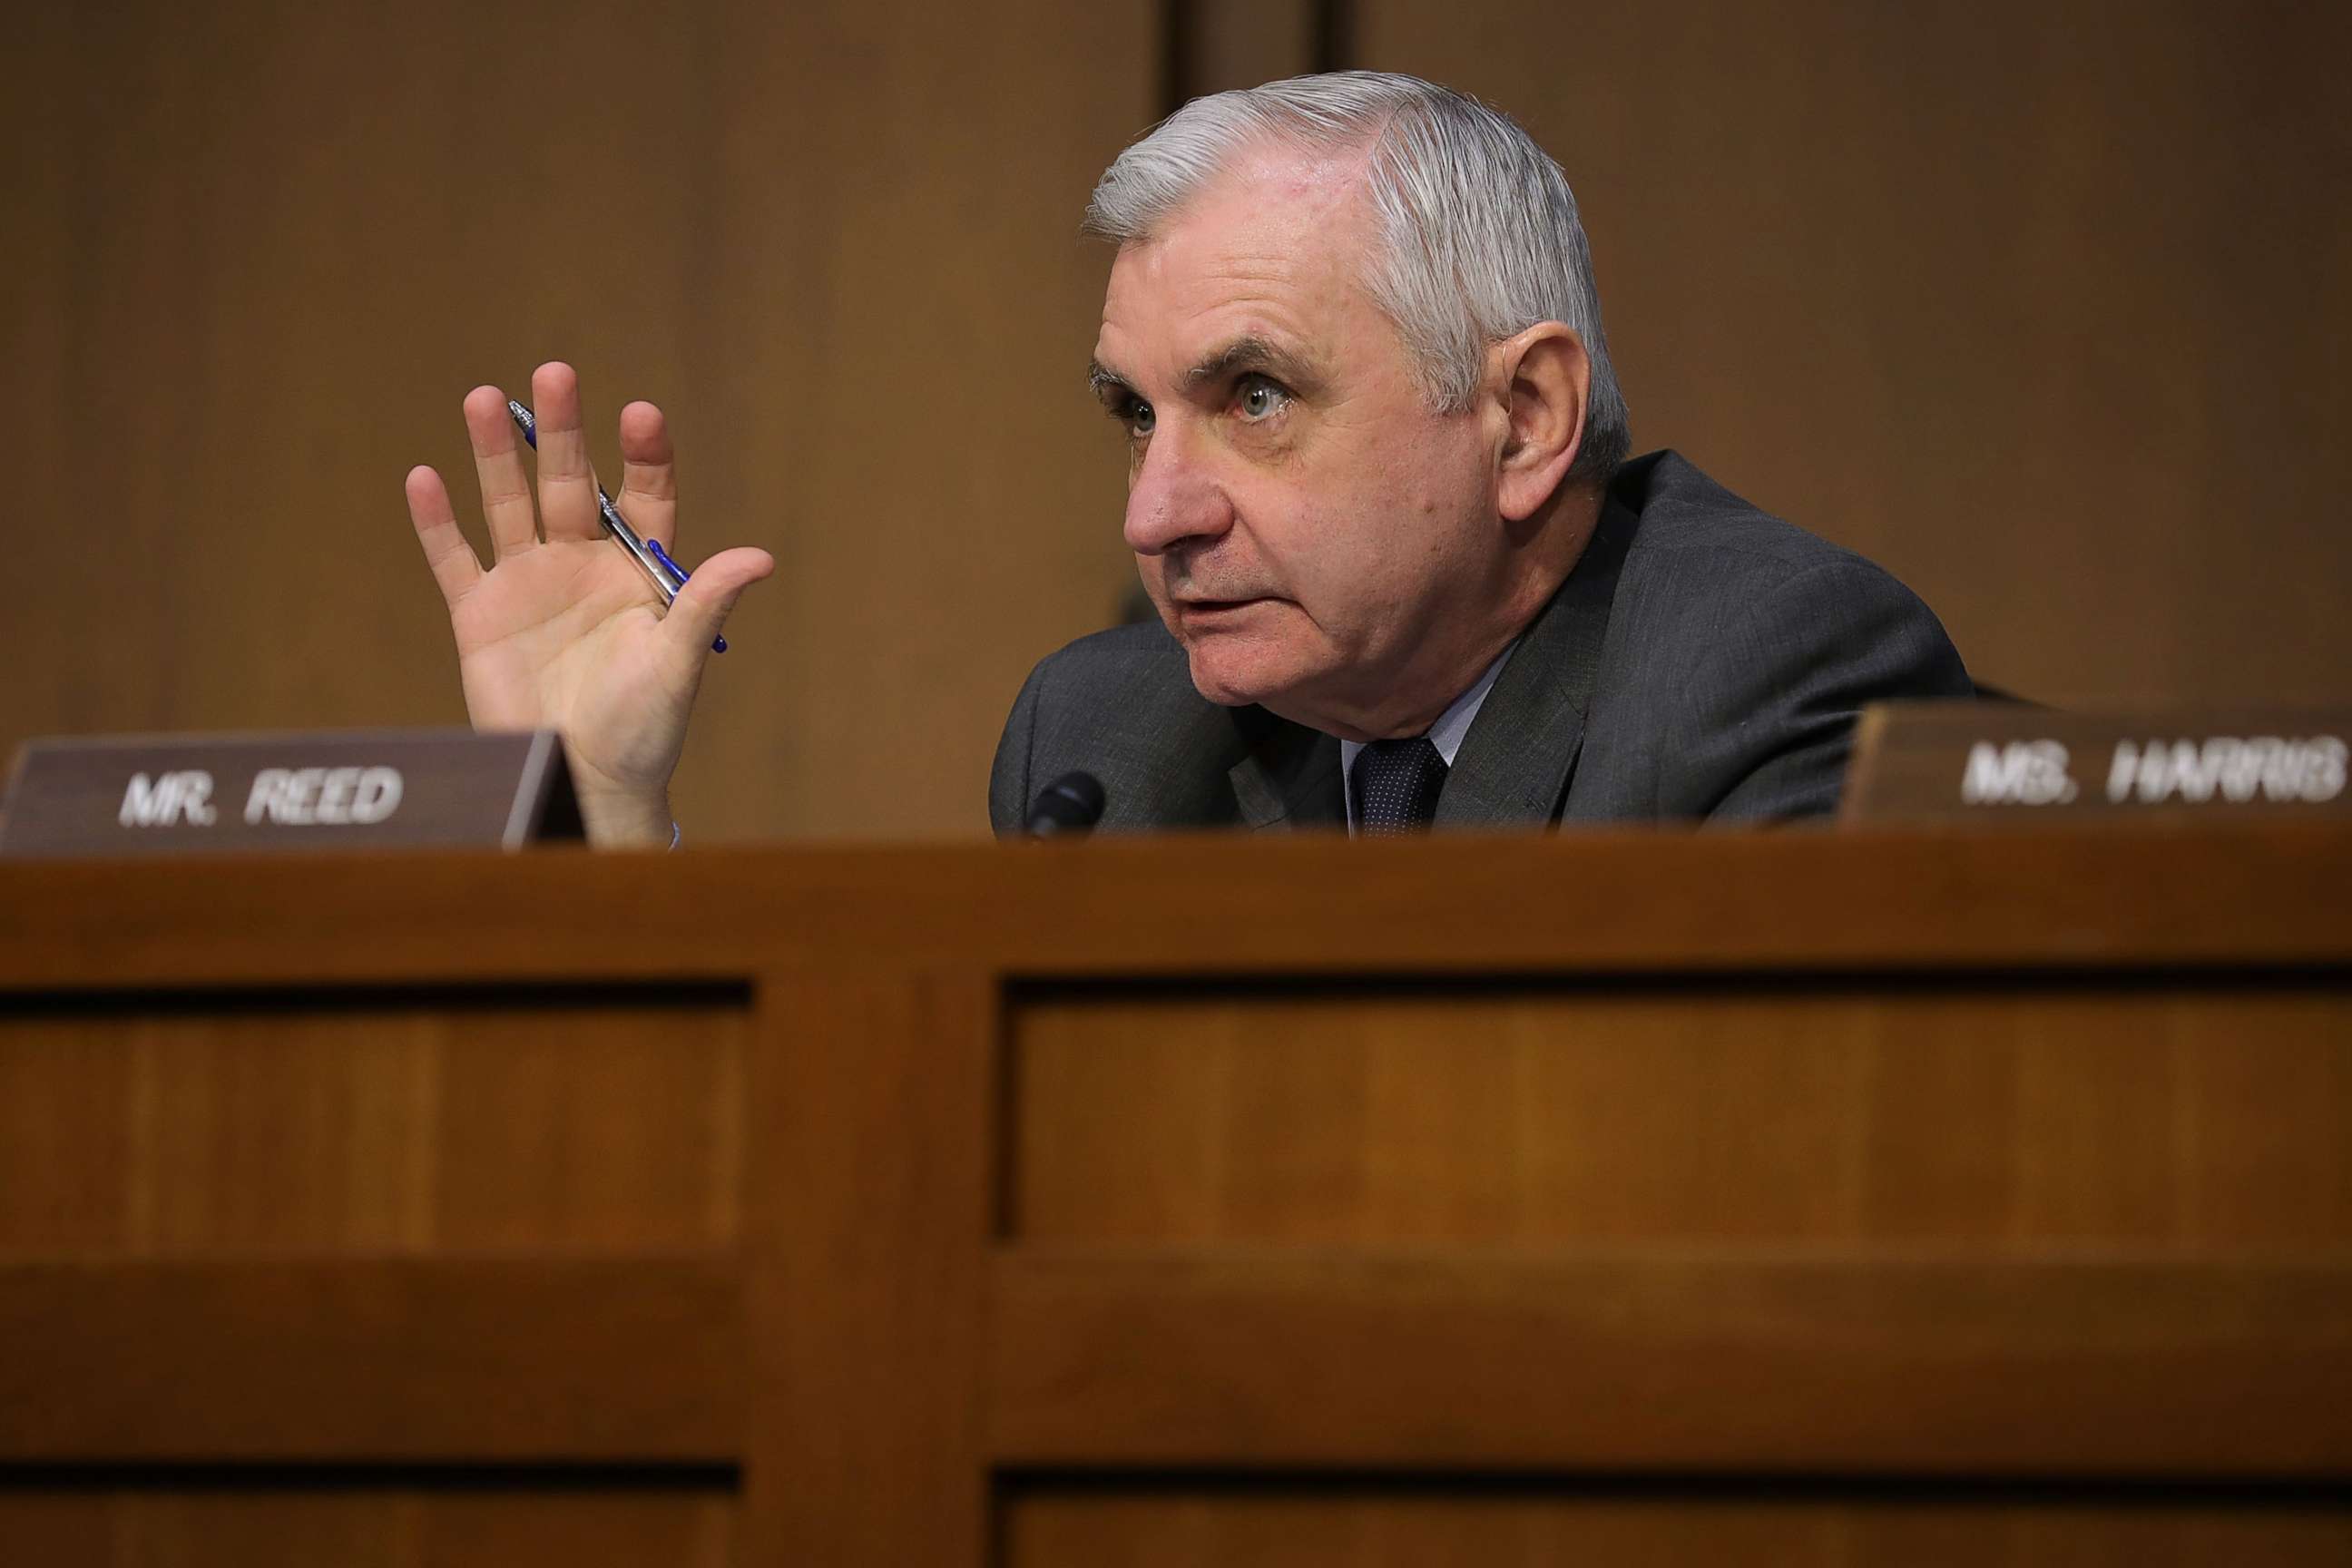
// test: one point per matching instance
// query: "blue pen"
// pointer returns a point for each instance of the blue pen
(666, 576)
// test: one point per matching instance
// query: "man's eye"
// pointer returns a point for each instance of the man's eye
(1137, 417)
(1262, 399)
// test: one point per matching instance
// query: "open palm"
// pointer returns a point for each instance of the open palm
(563, 632)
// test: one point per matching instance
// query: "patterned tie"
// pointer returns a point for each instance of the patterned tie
(1396, 784)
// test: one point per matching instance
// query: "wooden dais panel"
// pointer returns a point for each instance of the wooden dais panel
(369, 1122)
(2180, 1115)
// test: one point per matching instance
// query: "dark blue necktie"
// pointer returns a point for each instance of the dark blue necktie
(1396, 784)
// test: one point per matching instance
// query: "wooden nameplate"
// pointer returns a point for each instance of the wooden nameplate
(178, 794)
(1983, 761)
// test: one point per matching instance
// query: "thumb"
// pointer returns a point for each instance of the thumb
(702, 607)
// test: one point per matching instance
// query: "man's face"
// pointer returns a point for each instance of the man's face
(1318, 540)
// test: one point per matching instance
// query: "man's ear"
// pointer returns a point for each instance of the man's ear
(1544, 379)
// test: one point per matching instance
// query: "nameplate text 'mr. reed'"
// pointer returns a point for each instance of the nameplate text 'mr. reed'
(140, 795)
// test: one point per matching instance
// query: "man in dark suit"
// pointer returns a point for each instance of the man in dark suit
(1378, 496)
(1702, 660)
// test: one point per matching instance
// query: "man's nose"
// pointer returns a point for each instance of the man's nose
(1176, 497)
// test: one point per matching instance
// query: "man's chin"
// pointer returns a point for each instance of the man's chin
(1233, 677)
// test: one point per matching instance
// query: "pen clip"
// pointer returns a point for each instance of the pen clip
(672, 567)
(718, 645)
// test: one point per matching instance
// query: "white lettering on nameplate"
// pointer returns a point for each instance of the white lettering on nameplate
(182, 796)
(2227, 768)
(2023, 772)
(323, 797)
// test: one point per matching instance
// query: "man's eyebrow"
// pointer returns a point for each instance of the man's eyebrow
(1251, 352)
(1106, 384)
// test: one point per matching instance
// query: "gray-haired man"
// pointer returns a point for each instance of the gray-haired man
(1377, 492)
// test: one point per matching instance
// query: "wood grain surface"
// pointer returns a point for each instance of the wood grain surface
(1308, 1526)
(1599, 903)
(371, 1125)
(2172, 1117)
(1675, 1194)
(1679, 1361)
(866, 1272)
(400, 1526)
(519, 1358)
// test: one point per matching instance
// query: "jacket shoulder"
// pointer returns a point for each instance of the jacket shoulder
(1121, 705)
(1741, 651)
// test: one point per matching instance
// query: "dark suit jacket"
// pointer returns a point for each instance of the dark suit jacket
(1703, 661)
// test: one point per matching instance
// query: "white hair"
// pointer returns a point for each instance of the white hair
(1480, 237)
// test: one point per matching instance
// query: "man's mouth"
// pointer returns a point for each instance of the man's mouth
(1213, 609)
(1219, 602)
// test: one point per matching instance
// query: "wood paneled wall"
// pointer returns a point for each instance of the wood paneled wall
(2044, 307)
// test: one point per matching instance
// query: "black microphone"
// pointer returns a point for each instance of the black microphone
(1071, 804)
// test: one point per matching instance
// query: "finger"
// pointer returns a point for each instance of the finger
(498, 466)
(567, 491)
(648, 496)
(452, 560)
(703, 604)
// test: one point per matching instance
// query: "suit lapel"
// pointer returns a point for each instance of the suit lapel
(1514, 764)
(1290, 777)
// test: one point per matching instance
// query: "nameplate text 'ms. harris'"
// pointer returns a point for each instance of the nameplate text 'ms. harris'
(176, 794)
(1987, 762)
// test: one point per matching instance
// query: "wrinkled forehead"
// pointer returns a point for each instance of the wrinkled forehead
(1274, 246)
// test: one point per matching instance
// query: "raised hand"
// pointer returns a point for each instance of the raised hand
(563, 632)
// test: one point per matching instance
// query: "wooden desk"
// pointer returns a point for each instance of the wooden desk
(1801, 1197)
